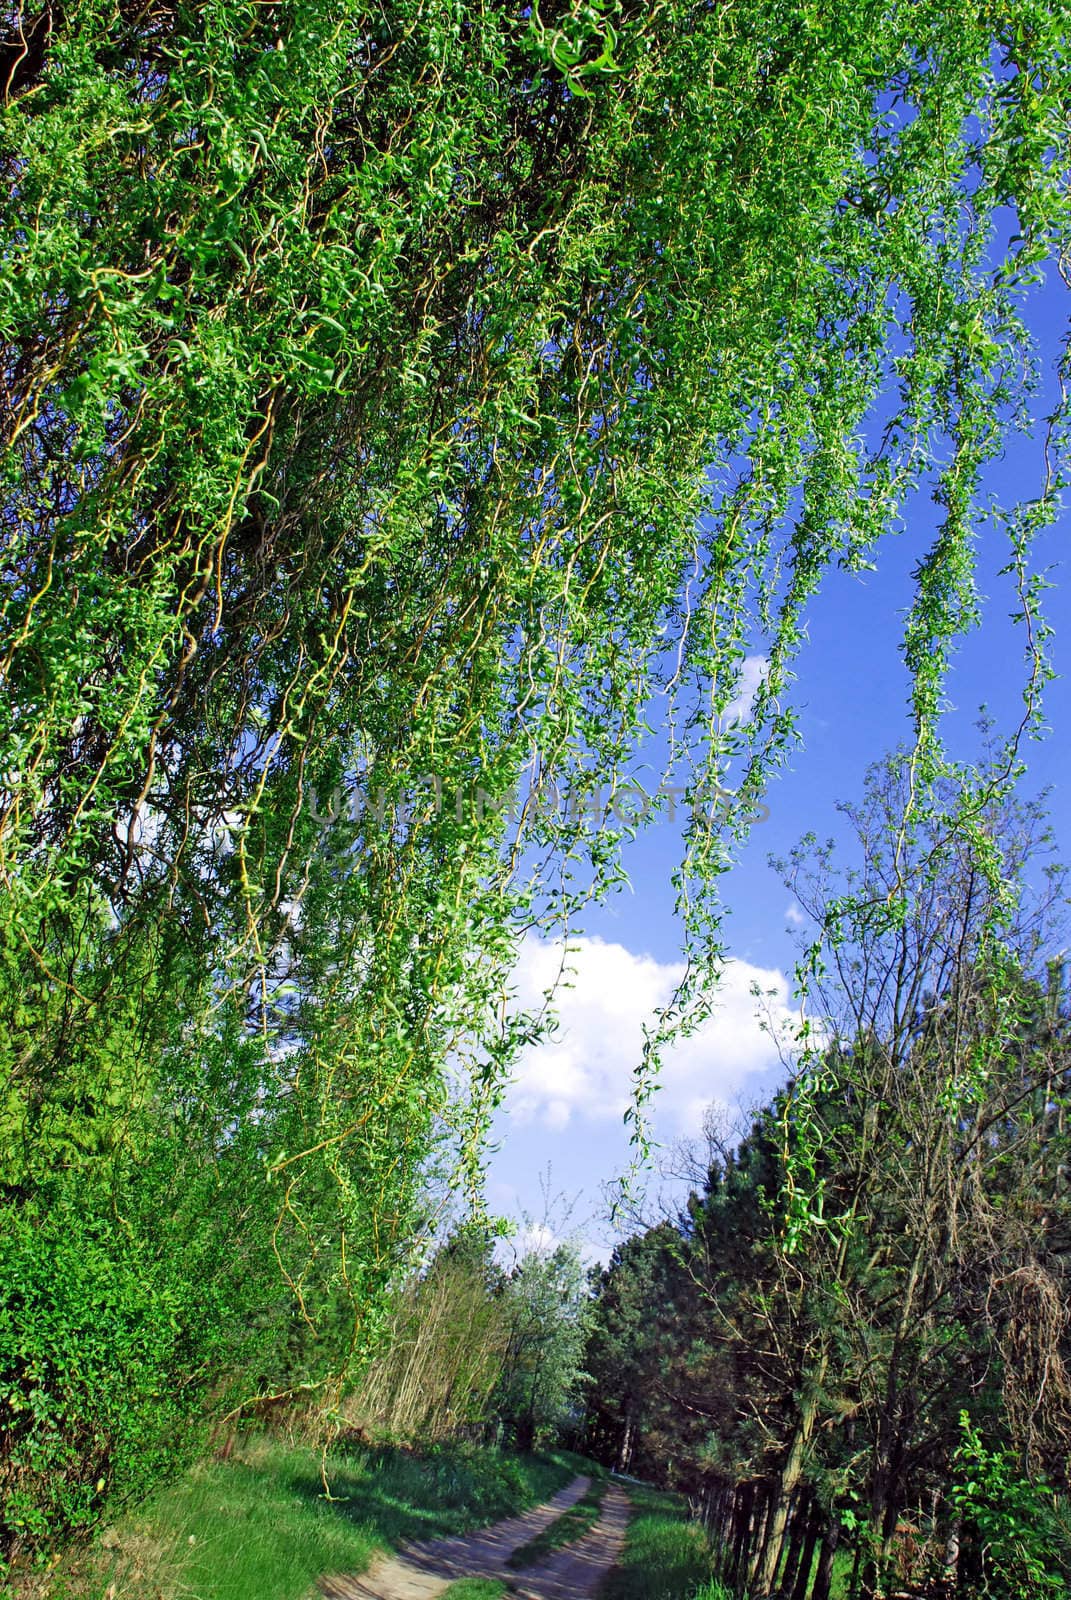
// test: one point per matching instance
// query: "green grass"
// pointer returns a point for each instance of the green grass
(666, 1555)
(843, 1563)
(261, 1528)
(475, 1589)
(566, 1529)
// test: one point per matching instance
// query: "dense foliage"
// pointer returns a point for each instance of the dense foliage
(894, 1400)
(395, 397)
(546, 1304)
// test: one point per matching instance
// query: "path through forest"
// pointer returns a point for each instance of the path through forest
(422, 1571)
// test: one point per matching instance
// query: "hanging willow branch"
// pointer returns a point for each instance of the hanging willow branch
(397, 402)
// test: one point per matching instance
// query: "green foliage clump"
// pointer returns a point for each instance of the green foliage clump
(546, 1307)
(471, 1350)
(88, 1350)
(1023, 1544)
(112, 1343)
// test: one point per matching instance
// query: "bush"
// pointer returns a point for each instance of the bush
(1018, 1543)
(90, 1343)
(128, 1318)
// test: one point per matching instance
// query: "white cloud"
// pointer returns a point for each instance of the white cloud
(584, 1070)
(794, 916)
(753, 672)
(537, 1239)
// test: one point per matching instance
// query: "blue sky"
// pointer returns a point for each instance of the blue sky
(565, 1110)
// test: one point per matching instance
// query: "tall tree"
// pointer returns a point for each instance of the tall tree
(887, 1250)
(546, 1305)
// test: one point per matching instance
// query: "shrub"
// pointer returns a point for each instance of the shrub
(1013, 1520)
(90, 1345)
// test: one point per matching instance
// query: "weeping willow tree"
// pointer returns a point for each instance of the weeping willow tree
(402, 405)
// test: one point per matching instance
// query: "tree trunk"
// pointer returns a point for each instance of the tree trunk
(791, 1473)
(721, 1529)
(624, 1454)
(745, 1496)
(803, 1576)
(760, 1529)
(857, 1566)
(824, 1576)
(797, 1528)
(951, 1556)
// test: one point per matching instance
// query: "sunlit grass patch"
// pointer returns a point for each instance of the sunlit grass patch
(475, 1589)
(261, 1525)
(666, 1556)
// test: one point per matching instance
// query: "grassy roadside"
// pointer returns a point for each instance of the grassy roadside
(475, 1589)
(566, 1529)
(666, 1555)
(260, 1525)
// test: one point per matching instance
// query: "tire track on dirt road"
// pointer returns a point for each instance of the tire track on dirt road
(423, 1571)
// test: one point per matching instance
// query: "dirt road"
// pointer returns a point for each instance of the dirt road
(422, 1571)
(576, 1573)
